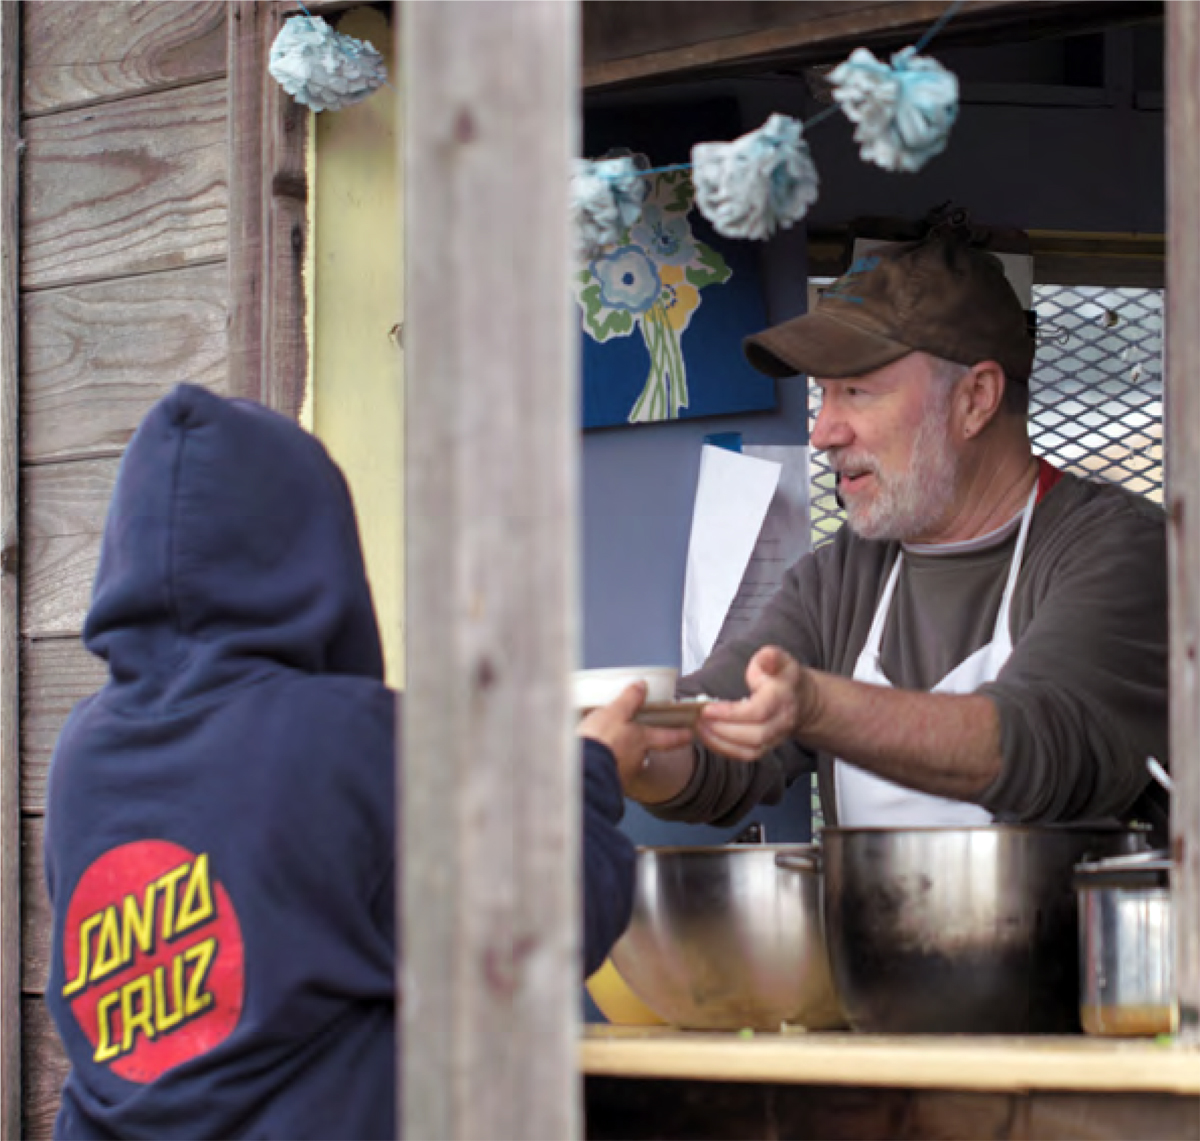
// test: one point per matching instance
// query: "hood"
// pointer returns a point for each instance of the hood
(231, 548)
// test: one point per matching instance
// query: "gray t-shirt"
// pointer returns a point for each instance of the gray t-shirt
(1082, 699)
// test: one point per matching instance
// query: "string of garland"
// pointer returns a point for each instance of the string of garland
(766, 180)
(748, 188)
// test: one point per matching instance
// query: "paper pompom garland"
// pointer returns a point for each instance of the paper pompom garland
(758, 183)
(606, 200)
(766, 180)
(748, 188)
(903, 113)
(321, 68)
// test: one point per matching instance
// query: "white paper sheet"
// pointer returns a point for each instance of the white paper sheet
(784, 537)
(733, 495)
(749, 524)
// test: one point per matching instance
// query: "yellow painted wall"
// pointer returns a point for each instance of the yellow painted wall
(356, 303)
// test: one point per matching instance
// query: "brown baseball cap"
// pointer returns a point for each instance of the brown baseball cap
(939, 295)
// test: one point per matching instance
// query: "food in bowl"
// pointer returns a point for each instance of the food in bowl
(593, 688)
(723, 939)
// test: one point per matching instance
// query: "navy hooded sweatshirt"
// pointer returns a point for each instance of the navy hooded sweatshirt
(220, 828)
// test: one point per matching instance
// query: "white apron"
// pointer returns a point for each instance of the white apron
(865, 800)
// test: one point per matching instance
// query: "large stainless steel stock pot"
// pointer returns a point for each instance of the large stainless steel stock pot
(953, 930)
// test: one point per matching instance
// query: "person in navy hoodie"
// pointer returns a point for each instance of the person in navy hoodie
(220, 830)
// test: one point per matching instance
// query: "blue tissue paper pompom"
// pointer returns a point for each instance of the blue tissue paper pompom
(606, 200)
(321, 68)
(903, 113)
(761, 182)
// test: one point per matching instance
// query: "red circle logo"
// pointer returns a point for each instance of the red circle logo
(153, 960)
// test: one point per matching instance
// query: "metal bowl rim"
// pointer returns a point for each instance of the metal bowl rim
(992, 829)
(724, 849)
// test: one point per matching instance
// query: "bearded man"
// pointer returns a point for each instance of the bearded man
(986, 637)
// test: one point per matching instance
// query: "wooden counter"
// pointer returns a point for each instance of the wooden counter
(653, 1082)
(954, 1062)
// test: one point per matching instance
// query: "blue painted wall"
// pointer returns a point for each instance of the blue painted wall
(638, 489)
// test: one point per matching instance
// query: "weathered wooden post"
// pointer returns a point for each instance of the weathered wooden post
(1183, 469)
(10, 568)
(489, 961)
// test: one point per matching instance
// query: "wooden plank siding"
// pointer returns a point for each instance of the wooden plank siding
(628, 45)
(35, 909)
(125, 188)
(158, 152)
(56, 673)
(81, 54)
(96, 357)
(10, 865)
(45, 1067)
(64, 506)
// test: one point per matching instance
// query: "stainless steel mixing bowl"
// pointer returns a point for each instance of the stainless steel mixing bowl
(722, 939)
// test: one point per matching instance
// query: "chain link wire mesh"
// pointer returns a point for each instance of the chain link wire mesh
(1096, 399)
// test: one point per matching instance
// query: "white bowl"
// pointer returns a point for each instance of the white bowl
(598, 687)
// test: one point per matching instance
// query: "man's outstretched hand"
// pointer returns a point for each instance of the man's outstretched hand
(781, 699)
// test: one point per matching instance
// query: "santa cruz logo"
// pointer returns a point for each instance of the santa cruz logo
(152, 958)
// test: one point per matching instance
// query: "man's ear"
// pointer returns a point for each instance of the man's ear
(980, 397)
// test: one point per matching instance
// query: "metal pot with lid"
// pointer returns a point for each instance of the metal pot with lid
(1125, 945)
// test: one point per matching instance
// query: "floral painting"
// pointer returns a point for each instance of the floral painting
(663, 314)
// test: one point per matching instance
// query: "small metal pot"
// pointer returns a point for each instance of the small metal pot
(1125, 951)
(958, 930)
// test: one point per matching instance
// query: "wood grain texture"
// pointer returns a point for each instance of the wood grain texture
(612, 30)
(36, 921)
(1182, 401)
(623, 43)
(96, 357)
(250, 28)
(10, 678)
(268, 188)
(64, 507)
(285, 347)
(491, 769)
(46, 1064)
(81, 53)
(659, 40)
(124, 188)
(56, 673)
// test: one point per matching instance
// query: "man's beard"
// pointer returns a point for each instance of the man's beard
(907, 505)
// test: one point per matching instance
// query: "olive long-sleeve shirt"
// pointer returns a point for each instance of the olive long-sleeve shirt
(1082, 699)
